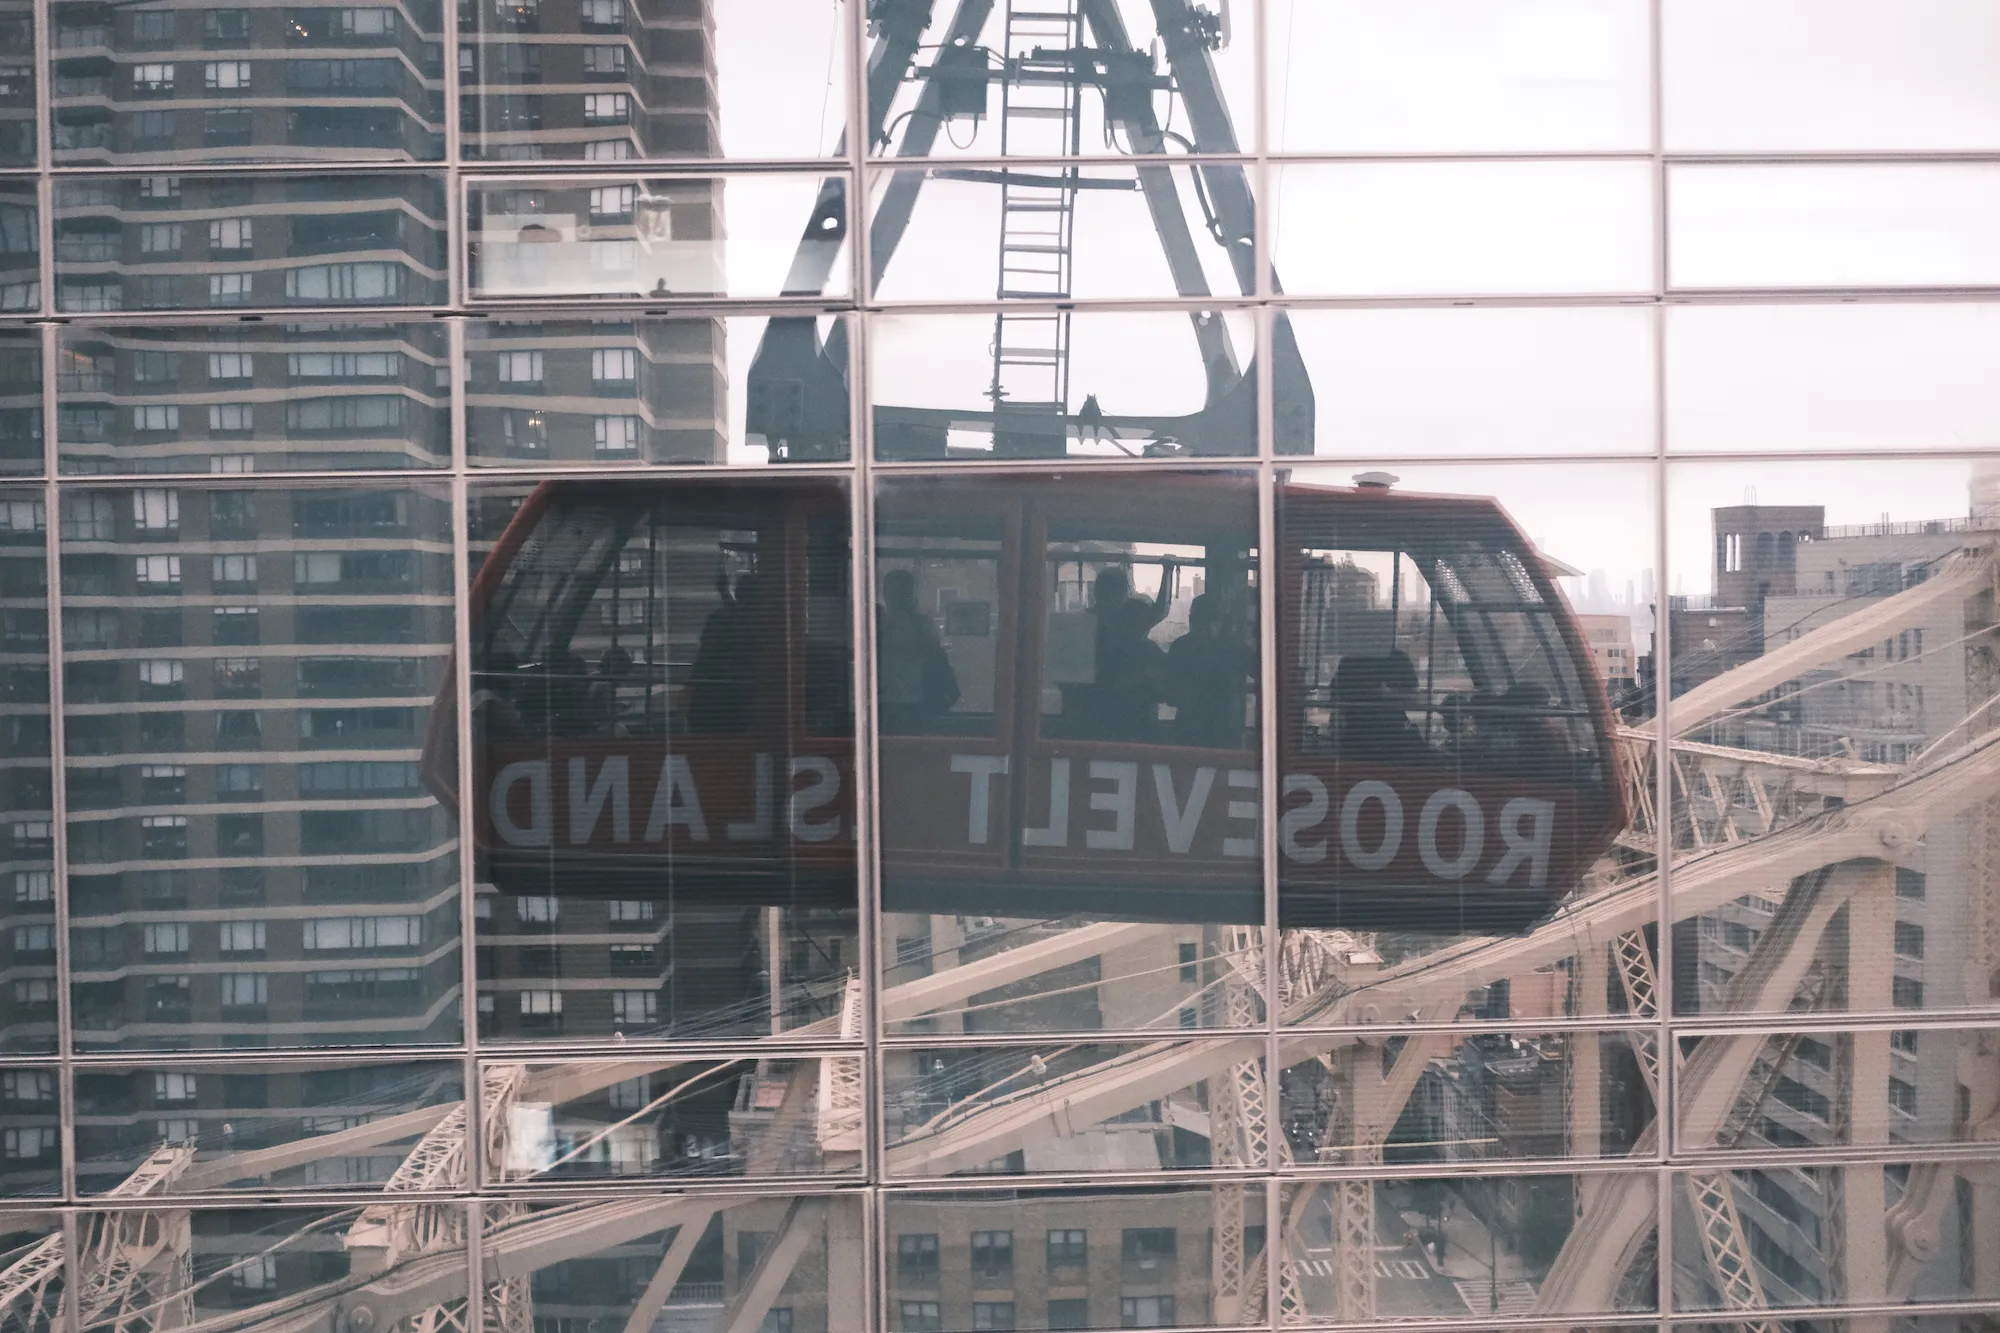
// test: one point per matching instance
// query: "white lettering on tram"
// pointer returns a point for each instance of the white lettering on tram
(1453, 833)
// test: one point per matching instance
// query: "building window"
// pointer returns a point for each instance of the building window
(226, 75)
(242, 937)
(230, 234)
(1067, 1247)
(917, 1254)
(1147, 1246)
(919, 1317)
(1145, 1312)
(519, 367)
(1069, 1313)
(614, 365)
(616, 436)
(992, 1251)
(992, 1315)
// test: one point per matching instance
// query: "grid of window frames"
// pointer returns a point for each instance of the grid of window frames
(800, 666)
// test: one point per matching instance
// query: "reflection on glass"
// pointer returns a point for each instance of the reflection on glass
(1849, 76)
(1472, 228)
(31, 1254)
(1523, 381)
(1487, 1096)
(260, 1267)
(1027, 1110)
(659, 1119)
(30, 1138)
(27, 841)
(1473, 1247)
(258, 1126)
(1869, 1087)
(254, 859)
(1897, 224)
(252, 398)
(1049, 233)
(663, 735)
(17, 84)
(1165, 1256)
(213, 242)
(1052, 384)
(188, 84)
(1887, 376)
(700, 1263)
(608, 80)
(1824, 1235)
(695, 390)
(1119, 77)
(20, 402)
(1415, 76)
(1831, 720)
(1449, 743)
(1069, 754)
(20, 247)
(657, 237)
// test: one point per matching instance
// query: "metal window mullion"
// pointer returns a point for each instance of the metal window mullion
(1267, 727)
(1663, 822)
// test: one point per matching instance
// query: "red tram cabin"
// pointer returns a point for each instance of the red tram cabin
(1067, 701)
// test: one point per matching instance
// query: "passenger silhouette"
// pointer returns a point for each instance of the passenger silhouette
(722, 684)
(1374, 695)
(914, 675)
(1130, 666)
(1205, 670)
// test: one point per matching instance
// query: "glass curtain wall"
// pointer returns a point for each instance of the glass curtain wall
(791, 666)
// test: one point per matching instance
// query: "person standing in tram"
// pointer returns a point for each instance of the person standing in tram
(918, 684)
(1205, 671)
(1130, 666)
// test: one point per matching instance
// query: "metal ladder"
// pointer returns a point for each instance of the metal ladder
(1039, 96)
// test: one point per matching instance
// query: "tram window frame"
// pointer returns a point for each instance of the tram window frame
(970, 537)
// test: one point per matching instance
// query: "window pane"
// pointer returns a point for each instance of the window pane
(1149, 1257)
(664, 758)
(1521, 381)
(1471, 228)
(1049, 234)
(27, 851)
(1362, 76)
(187, 85)
(1822, 687)
(984, 85)
(20, 250)
(1070, 750)
(959, 1110)
(30, 1133)
(1092, 385)
(1868, 1087)
(1831, 75)
(20, 403)
(674, 1120)
(1811, 1235)
(1458, 646)
(1872, 225)
(17, 121)
(237, 400)
(326, 241)
(276, 779)
(1483, 1246)
(774, 83)
(671, 237)
(33, 1242)
(256, 1125)
(620, 392)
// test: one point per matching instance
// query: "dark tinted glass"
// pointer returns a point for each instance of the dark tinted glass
(193, 84)
(255, 856)
(20, 402)
(253, 398)
(17, 92)
(27, 844)
(1064, 673)
(663, 733)
(20, 250)
(215, 242)
(30, 1132)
